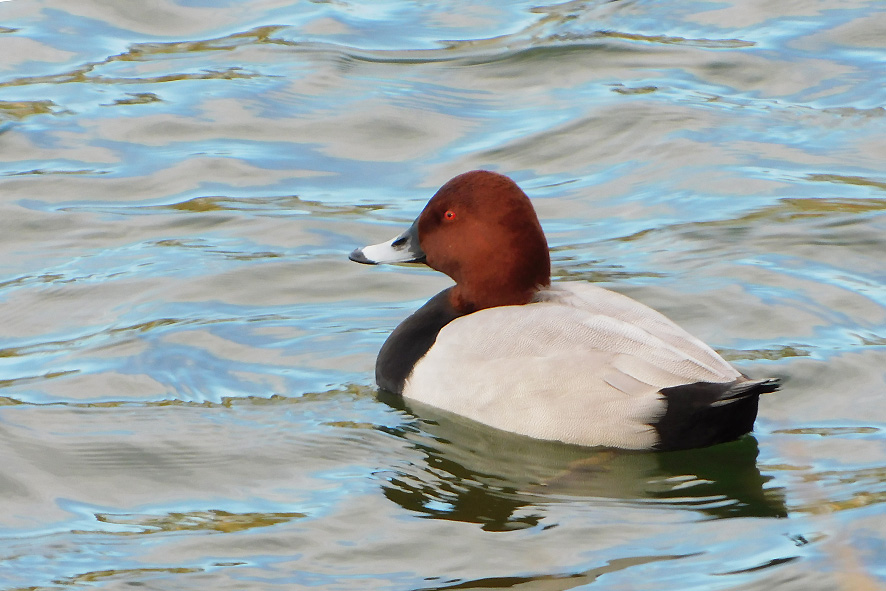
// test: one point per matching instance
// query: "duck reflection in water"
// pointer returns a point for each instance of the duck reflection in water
(502, 481)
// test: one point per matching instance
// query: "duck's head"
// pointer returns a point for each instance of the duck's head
(480, 229)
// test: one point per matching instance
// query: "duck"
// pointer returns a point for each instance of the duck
(565, 361)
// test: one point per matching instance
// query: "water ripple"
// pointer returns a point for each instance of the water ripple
(187, 355)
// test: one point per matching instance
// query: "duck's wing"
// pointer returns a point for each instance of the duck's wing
(597, 300)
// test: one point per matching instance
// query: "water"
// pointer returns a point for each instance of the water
(186, 355)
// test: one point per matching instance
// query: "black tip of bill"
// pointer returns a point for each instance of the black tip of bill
(358, 257)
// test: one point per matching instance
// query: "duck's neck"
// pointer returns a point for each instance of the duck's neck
(513, 287)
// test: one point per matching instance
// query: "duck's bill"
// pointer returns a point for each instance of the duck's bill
(402, 249)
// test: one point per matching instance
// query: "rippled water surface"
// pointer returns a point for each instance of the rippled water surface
(186, 354)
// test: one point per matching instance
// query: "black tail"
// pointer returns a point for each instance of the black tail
(706, 413)
(752, 388)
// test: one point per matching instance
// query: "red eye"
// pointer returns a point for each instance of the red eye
(449, 215)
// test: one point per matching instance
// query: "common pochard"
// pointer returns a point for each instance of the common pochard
(568, 361)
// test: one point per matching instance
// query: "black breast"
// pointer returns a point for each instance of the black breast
(411, 340)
